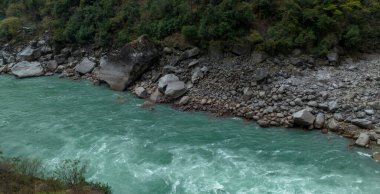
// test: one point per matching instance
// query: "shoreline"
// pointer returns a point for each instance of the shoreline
(338, 94)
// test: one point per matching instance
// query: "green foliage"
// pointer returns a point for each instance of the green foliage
(71, 172)
(9, 27)
(190, 32)
(321, 25)
(315, 25)
(123, 37)
(15, 10)
(254, 37)
(352, 37)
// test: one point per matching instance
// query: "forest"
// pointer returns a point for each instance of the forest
(316, 26)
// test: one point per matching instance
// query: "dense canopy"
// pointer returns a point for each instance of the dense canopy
(273, 25)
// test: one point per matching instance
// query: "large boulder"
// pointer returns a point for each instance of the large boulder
(363, 139)
(163, 81)
(184, 100)
(319, 121)
(363, 123)
(261, 74)
(303, 118)
(141, 92)
(333, 57)
(29, 54)
(60, 59)
(27, 69)
(190, 53)
(86, 66)
(333, 106)
(51, 65)
(121, 70)
(175, 89)
(332, 124)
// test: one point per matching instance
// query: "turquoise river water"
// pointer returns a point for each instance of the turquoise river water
(166, 151)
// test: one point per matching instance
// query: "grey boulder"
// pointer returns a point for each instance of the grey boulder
(333, 57)
(363, 123)
(86, 66)
(303, 118)
(27, 69)
(141, 92)
(51, 65)
(261, 74)
(333, 106)
(29, 54)
(363, 139)
(121, 70)
(319, 121)
(164, 81)
(332, 124)
(175, 89)
(184, 100)
(190, 53)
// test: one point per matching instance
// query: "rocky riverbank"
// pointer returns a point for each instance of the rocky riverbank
(337, 93)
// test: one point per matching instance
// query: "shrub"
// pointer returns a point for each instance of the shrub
(352, 36)
(190, 32)
(70, 172)
(254, 37)
(9, 27)
(123, 37)
(15, 10)
(24, 174)
(28, 167)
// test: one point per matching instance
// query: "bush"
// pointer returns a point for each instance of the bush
(254, 37)
(28, 167)
(352, 36)
(24, 174)
(190, 32)
(9, 27)
(123, 37)
(70, 172)
(15, 10)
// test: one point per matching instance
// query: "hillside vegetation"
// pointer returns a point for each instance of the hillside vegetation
(271, 25)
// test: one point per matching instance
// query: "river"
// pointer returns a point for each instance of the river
(164, 151)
